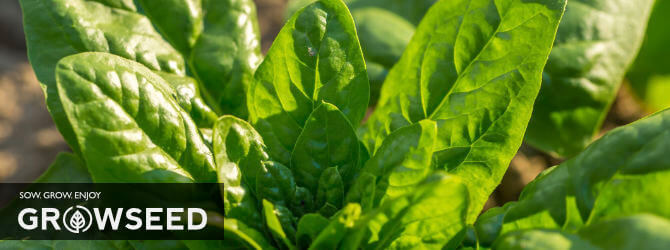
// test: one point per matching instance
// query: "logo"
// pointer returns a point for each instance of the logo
(78, 222)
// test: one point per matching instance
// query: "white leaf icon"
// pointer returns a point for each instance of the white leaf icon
(77, 221)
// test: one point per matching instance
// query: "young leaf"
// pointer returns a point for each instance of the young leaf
(274, 225)
(327, 140)
(475, 68)
(421, 219)
(604, 181)
(316, 57)
(239, 154)
(276, 184)
(331, 236)
(331, 189)
(401, 163)
(584, 71)
(127, 124)
(236, 142)
(309, 227)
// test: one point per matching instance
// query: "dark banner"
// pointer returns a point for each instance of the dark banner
(87, 211)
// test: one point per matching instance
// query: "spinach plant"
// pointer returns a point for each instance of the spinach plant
(177, 91)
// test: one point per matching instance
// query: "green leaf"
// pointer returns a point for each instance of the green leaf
(67, 168)
(66, 244)
(236, 142)
(642, 231)
(274, 225)
(276, 184)
(401, 163)
(236, 235)
(650, 75)
(59, 28)
(309, 227)
(331, 189)
(239, 153)
(316, 57)
(127, 124)
(383, 34)
(475, 68)
(618, 175)
(584, 72)
(226, 54)
(331, 236)
(542, 239)
(421, 219)
(327, 140)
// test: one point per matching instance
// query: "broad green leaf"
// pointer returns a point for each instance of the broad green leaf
(236, 142)
(179, 21)
(421, 218)
(327, 140)
(316, 57)
(274, 225)
(643, 231)
(618, 175)
(67, 168)
(473, 67)
(59, 28)
(331, 236)
(66, 244)
(239, 154)
(410, 10)
(309, 227)
(276, 184)
(401, 163)
(596, 42)
(127, 124)
(331, 189)
(303, 202)
(650, 75)
(226, 54)
(542, 240)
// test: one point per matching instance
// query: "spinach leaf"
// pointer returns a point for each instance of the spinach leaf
(331, 190)
(128, 126)
(327, 140)
(649, 75)
(584, 72)
(542, 239)
(331, 236)
(401, 163)
(275, 226)
(239, 154)
(603, 182)
(316, 57)
(309, 227)
(474, 68)
(420, 219)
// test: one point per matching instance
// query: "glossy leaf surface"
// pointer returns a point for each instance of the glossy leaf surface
(316, 57)
(596, 43)
(474, 67)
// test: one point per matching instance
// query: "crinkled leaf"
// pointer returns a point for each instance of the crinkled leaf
(239, 154)
(128, 126)
(331, 188)
(422, 219)
(59, 28)
(475, 68)
(316, 57)
(276, 184)
(596, 42)
(327, 140)
(401, 163)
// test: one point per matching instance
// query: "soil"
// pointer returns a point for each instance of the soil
(29, 140)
